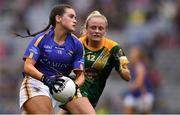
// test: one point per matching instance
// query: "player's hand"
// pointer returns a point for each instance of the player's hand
(50, 81)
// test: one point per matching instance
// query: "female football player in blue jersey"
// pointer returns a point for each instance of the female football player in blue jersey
(52, 53)
(101, 56)
(139, 97)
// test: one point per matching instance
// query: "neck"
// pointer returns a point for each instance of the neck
(94, 44)
(59, 35)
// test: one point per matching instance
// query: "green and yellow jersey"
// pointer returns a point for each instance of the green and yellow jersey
(98, 65)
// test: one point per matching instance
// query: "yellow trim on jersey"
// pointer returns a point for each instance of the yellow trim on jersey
(81, 67)
(107, 43)
(47, 31)
(102, 59)
(75, 36)
(31, 55)
(38, 40)
(84, 39)
(27, 89)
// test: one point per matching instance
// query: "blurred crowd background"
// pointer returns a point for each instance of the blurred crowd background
(152, 24)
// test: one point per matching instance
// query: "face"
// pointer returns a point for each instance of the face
(96, 28)
(68, 20)
(134, 54)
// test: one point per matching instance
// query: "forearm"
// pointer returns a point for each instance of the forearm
(32, 71)
(125, 73)
(79, 78)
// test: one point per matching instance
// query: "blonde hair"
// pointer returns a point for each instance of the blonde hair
(93, 14)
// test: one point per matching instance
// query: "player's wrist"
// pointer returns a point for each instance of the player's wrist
(77, 86)
(42, 78)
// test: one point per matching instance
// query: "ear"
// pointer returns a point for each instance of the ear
(58, 18)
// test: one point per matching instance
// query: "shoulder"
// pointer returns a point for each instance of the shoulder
(38, 39)
(75, 39)
(109, 44)
(82, 39)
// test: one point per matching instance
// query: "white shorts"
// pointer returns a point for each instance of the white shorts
(142, 103)
(31, 87)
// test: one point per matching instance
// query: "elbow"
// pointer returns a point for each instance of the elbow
(25, 68)
(126, 76)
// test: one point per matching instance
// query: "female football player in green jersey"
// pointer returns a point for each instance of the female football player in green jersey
(101, 56)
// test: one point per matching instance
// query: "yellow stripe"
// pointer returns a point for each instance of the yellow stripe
(38, 40)
(75, 36)
(83, 40)
(101, 60)
(109, 44)
(81, 66)
(31, 54)
(27, 89)
(24, 88)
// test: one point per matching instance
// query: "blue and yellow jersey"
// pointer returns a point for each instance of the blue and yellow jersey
(98, 65)
(147, 84)
(52, 58)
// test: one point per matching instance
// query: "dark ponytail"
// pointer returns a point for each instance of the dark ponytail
(57, 10)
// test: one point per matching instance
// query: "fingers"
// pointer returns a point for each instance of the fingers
(61, 80)
(59, 75)
(58, 83)
(53, 89)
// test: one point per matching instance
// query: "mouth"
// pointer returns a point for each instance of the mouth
(73, 24)
(96, 36)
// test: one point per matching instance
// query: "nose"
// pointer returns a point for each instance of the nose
(97, 30)
(75, 21)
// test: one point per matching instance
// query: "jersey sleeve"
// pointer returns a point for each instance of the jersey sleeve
(33, 49)
(78, 63)
(119, 57)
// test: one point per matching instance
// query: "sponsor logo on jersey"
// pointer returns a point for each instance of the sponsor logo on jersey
(70, 52)
(54, 64)
(59, 49)
(91, 74)
(47, 47)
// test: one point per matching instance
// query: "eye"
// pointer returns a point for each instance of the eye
(93, 27)
(72, 16)
(101, 28)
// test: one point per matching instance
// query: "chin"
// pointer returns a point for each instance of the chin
(97, 39)
(71, 30)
